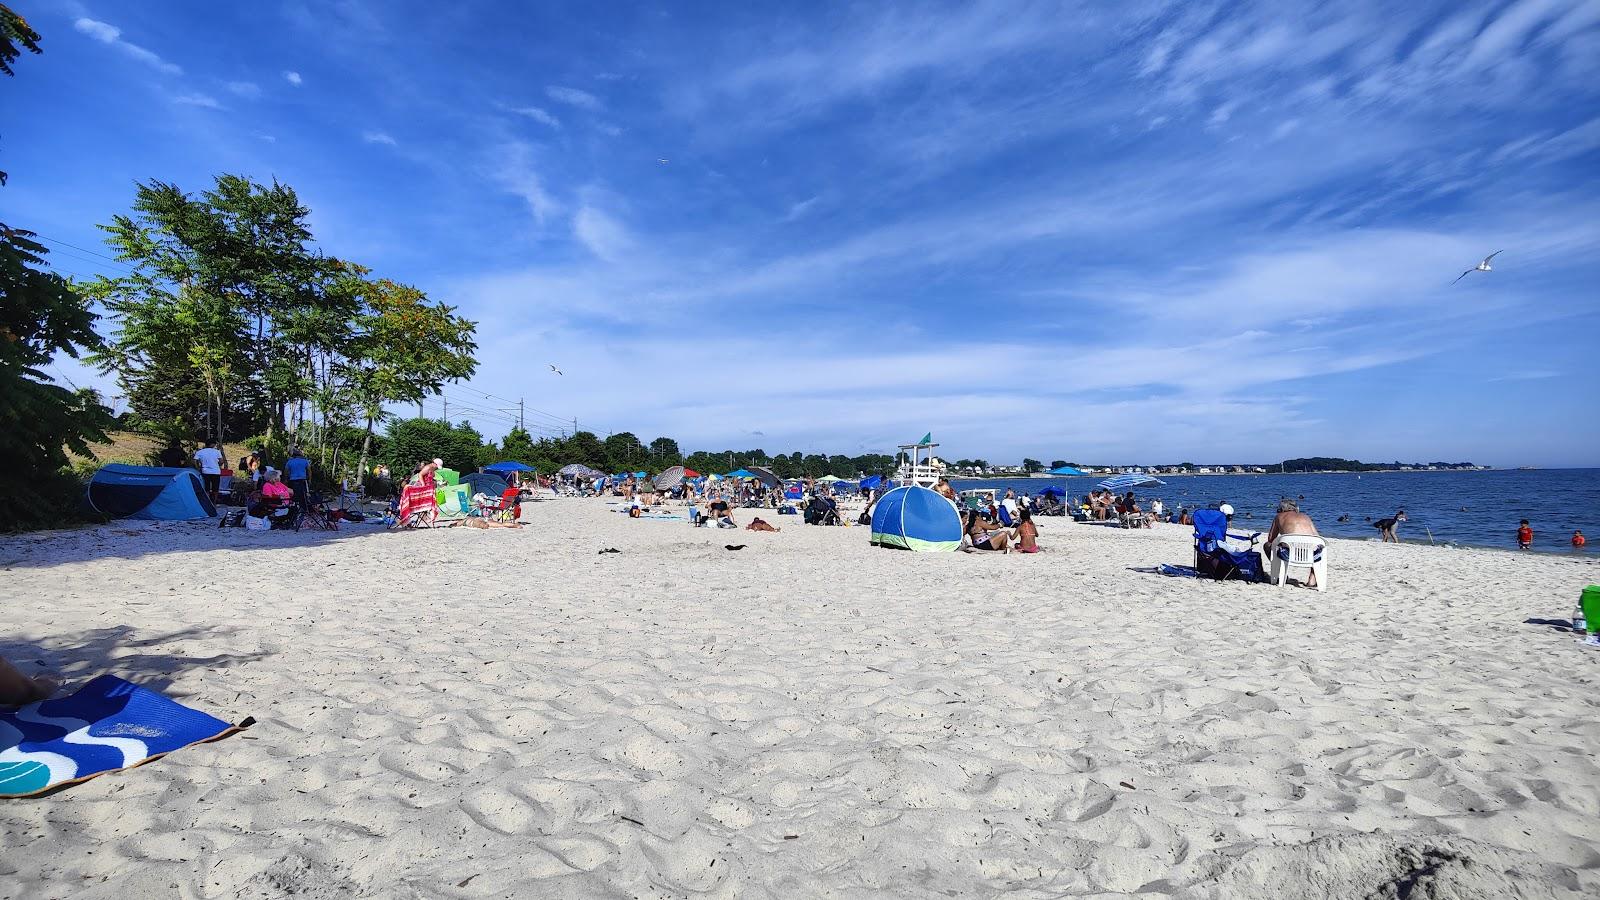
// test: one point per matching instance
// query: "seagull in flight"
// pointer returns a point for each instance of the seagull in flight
(554, 369)
(1480, 267)
(663, 161)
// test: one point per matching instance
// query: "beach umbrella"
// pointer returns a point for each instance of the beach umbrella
(1128, 480)
(740, 473)
(571, 469)
(690, 473)
(766, 477)
(871, 482)
(506, 468)
(1066, 470)
(670, 479)
(1052, 491)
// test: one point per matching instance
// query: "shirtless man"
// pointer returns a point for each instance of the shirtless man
(1289, 520)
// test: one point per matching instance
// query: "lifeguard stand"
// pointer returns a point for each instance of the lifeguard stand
(917, 470)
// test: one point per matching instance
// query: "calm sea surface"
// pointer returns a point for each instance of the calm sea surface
(1467, 508)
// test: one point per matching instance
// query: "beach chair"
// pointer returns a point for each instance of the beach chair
(508, 508)
(1005, 518)
(1304, 551)
(1212, 556)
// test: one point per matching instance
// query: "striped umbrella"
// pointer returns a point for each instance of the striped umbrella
(1128, 480)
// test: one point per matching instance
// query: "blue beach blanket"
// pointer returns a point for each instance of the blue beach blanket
(108, 724)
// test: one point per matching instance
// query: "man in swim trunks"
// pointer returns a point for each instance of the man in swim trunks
(1289, 520)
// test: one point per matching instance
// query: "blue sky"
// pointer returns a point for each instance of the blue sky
(1143, 231)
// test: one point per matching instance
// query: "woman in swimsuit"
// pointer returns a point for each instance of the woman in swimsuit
(986, 535)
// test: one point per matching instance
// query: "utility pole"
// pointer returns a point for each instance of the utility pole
(419, 409)
(445, 401)
(519, 415)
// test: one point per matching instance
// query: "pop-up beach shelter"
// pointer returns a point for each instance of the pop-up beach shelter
(915, 518)
(148, 492)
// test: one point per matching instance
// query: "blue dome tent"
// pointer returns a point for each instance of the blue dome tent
(148, 492)
(915, 518)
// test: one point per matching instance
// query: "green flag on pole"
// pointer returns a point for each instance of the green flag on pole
(926, 439)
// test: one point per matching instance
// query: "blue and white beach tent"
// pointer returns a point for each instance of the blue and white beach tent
(915, 518)
(148, 492)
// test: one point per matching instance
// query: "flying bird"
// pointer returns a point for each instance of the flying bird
(554, 369)
(1480, 267)
(663, 161)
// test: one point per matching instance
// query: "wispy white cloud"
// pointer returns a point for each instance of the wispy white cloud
(538, 115)
(603, 235)
(293, 78)
(379, 137)
(573, 97)
(513, 169)
(247, 89)
(111, 35)
(801, 208)
(205, 101)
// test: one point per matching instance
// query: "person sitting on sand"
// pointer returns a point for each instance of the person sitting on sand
(721, 514)
(1289, 520)
(1027, 532)
(760, 524)
(1387, 526)
(17, 689)
(984, 534)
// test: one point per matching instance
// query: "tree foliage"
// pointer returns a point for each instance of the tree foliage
(40, 315)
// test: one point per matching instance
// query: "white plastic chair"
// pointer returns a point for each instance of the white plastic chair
(1302, 551)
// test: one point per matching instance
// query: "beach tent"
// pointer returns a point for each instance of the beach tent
(455, 500)
(148, 492)
(915, 518)
(485, 483)
(504, 469)
(447, 476)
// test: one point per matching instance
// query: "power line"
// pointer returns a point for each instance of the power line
(110, 259)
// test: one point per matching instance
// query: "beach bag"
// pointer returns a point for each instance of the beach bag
(251, 523)
(234, 519)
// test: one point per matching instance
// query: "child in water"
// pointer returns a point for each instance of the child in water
(1524, 536)
(1578, 539)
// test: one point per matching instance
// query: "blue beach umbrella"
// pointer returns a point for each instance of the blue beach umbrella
(1128, 480)
(1066, 470)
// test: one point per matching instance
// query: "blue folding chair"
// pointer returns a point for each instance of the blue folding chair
(1211, 554)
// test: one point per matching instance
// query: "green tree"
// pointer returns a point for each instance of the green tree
(664, 453)
(624, 453)
(1032, 465)
(232, 270)
(1058, 463)
(40, 315)
(403, 348)
(411, 441)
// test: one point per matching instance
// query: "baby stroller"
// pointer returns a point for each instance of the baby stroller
(821, 512)
(1213, 559)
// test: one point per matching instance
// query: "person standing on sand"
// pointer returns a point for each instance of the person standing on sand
(297, 472)
(1388, 526)
(209, 459)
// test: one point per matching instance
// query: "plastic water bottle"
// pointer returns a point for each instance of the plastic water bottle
(1578, 623)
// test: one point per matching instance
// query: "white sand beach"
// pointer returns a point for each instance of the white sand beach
(471, 713)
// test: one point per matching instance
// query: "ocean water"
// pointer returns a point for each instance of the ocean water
(1479, 509)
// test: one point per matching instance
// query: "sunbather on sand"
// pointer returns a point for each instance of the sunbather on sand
(17, 688)
(761, 525)
(1289, 520)
(986, 535)
(1027, 532)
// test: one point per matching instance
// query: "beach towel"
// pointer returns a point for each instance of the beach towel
(417, 499)
(108, 724)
